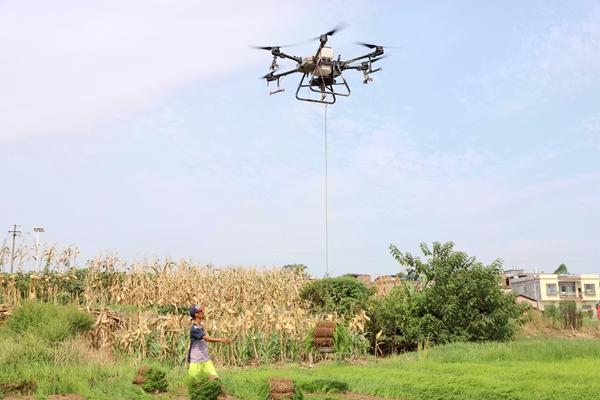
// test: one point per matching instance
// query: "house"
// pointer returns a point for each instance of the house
(510, 274)
(533, 303)
(551, 289)
(364, 278)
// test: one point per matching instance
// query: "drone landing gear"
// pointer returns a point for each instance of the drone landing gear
(326, 90)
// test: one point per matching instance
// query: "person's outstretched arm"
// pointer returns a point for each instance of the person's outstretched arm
(216, 340)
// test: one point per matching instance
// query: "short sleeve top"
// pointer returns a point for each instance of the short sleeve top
(198, 351)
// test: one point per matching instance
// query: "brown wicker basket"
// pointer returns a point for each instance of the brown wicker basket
(281, 386)
(278, 396)
(326, 324)
(323, 342)
(323, 332)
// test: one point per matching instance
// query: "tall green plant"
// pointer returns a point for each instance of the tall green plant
(344, 295)
(460, 300)
(571, 318)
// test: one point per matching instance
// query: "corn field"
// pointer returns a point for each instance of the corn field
(141, 309)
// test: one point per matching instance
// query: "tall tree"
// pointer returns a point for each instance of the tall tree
(461, 298)
(561, 270)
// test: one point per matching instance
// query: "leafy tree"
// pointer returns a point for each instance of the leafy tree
(299, 269)
(393, 325)
(344, 295)
(461, 299)
(561, 270)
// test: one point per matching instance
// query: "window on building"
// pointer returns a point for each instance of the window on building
(590, 289)
(551, 289)
(567, 288)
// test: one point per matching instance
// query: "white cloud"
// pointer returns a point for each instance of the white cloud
(64, 64)
(558, 62)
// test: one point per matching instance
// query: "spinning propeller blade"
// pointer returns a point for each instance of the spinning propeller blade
(378, 58)
(332, 32)
(374, 46)
(337, 28)
(268, 48)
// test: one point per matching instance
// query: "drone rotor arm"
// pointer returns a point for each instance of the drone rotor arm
(284, 55)
(376, 53)
(273, 77)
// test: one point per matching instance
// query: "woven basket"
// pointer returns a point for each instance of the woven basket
(278, 396)
(323, 342)
(326, 324)
(280, 386)
(323, 332)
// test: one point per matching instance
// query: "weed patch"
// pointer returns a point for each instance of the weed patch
(204, 389)
(325, 386)
(19, 388)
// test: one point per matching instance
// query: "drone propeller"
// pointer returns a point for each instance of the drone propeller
(374, 46)
(378, 58)
(269, 48)
(332, 32)
(337, 28)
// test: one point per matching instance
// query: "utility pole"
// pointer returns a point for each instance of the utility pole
(14, 233)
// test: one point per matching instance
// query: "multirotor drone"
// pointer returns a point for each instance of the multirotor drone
(323, 74)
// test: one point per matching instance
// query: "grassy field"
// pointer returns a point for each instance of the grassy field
(542, 368)
(536, 368)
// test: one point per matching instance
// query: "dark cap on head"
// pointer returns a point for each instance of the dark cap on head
(194, 309)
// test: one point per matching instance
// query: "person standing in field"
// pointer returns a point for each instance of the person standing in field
(198, 357)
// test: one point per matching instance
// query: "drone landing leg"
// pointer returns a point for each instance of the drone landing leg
(331, 89)
(323, 93)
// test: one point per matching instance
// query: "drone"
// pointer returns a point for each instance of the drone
(323, 74)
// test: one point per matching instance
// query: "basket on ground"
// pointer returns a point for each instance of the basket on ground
(280, 388)
(323, 338)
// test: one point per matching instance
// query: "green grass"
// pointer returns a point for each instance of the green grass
(528, 369)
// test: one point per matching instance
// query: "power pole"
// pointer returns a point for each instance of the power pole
(14, 233)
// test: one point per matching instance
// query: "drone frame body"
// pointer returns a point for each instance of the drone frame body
(321, 71)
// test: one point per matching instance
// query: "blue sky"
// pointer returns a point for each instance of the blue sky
(140, 128)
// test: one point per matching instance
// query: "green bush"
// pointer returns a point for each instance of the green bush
(23, 349)
(343, 295)
(202, 388)
(394, 325)
(571, 318)
(49, 322)
(460, 299)
(156, 381)
(348, 344)
(552, 313)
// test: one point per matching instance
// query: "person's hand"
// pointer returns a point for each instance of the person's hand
(225, 340)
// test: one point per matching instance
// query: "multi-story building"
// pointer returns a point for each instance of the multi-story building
(549, 289)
